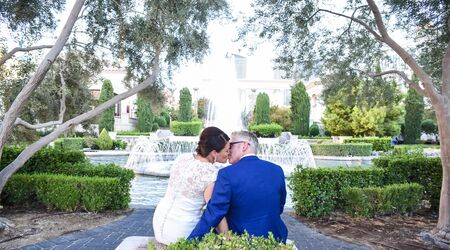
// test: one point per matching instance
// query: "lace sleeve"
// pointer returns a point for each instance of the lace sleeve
(210, 174)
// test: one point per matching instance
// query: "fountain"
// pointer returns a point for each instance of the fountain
(151, 156)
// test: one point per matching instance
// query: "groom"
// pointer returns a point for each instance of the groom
(250, 193)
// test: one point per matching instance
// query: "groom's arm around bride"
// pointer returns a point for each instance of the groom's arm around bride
(250, 193)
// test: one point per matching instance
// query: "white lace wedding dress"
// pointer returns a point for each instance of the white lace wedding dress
(179, 211)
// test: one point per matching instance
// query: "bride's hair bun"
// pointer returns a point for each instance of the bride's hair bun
(211, 138)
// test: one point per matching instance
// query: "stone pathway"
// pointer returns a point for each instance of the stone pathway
(139, 223)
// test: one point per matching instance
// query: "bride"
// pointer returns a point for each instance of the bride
(190, 187)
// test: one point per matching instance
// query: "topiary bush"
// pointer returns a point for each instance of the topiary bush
(185, 109)
(281, 116)
(107, 117)
(390, 199)
(262, 109)
(346, 149)
(266, 130)
(69, 143)
(155, 127)
(144, 115)
(428, 126)
(300, 107)
(186, 128)
(104, 141)
(314, 130)
(318, 191)
(161, 121)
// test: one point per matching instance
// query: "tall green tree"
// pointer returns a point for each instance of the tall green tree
(414, 109)
(301, 108)
(185, 105)
(107, 117)
(262, 109)
(307, 43)
(144, 35)
(145, 115)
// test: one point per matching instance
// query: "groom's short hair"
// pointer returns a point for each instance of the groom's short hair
(249, 137)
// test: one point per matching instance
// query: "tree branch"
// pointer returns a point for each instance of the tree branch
(351, 21)
(365, 25)
(22, 98)
(18, 49)
(26, 154)
(402, 74)
(404, 55)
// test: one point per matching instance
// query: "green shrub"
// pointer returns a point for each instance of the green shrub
(220, 242)
(262, 109)
(119, 144)
(414, 168)
(318, 191)
(155, 127)
(98, 193)
(133, 133)
(74, 143)
(266, 130)
(42, 158)
(107, 117)
(20, 190)
(165, 114)
(161, 121)
(281, 116)
(144, 115)
(315, 137)
(185, 108)
(314, 130)
(104, 141)
(300, 107)
(414, 109)
(346, 149)
(58, 191)
(378, 144)
(186, 128)
(391, 199)
(428, 126)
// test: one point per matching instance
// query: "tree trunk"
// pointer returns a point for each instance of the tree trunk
(443, 119)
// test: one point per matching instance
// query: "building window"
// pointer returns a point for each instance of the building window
(240, 63)
(117, 109)
(287, 97)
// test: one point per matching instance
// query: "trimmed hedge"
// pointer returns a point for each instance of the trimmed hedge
(73, 143)
(391, 199)
(266, 130)
(68, 193)
(42, 158)
(378, 144)
(414, 168)
(411, 149)
(186, 128)
(233, 241)
(346, 149)
(133, 133)
(318, 191)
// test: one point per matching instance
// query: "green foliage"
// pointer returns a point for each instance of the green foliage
(104, 141)
(411, 149)
(337, 117)
(107, 117)
(262, 109)
(145, 115)
(202, 107)
(155, 127)
(391, 199)
(69, 143)
(185, 105)
(318, 191)
(165, 114)
(133, 133)
(300, 107)
(42, 158)
(414, 168)
(378, 144)
(186, 128)
(414, 107)
(119, 144)
(266, 130)
(428, 126)
(281, 116)
(234, 241)
(161, 121)
(368, 122)
(68, 193)
(346, 149)
(314, 130)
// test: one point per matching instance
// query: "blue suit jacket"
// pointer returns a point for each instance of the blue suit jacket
(251, 194)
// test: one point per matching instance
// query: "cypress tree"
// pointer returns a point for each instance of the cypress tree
(414, 107)
(107, 117)
(144, 115)
(185, 105)
(300, 107)
(262, 109)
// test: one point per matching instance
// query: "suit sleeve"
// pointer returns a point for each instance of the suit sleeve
(282, 194)
(217, 207)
